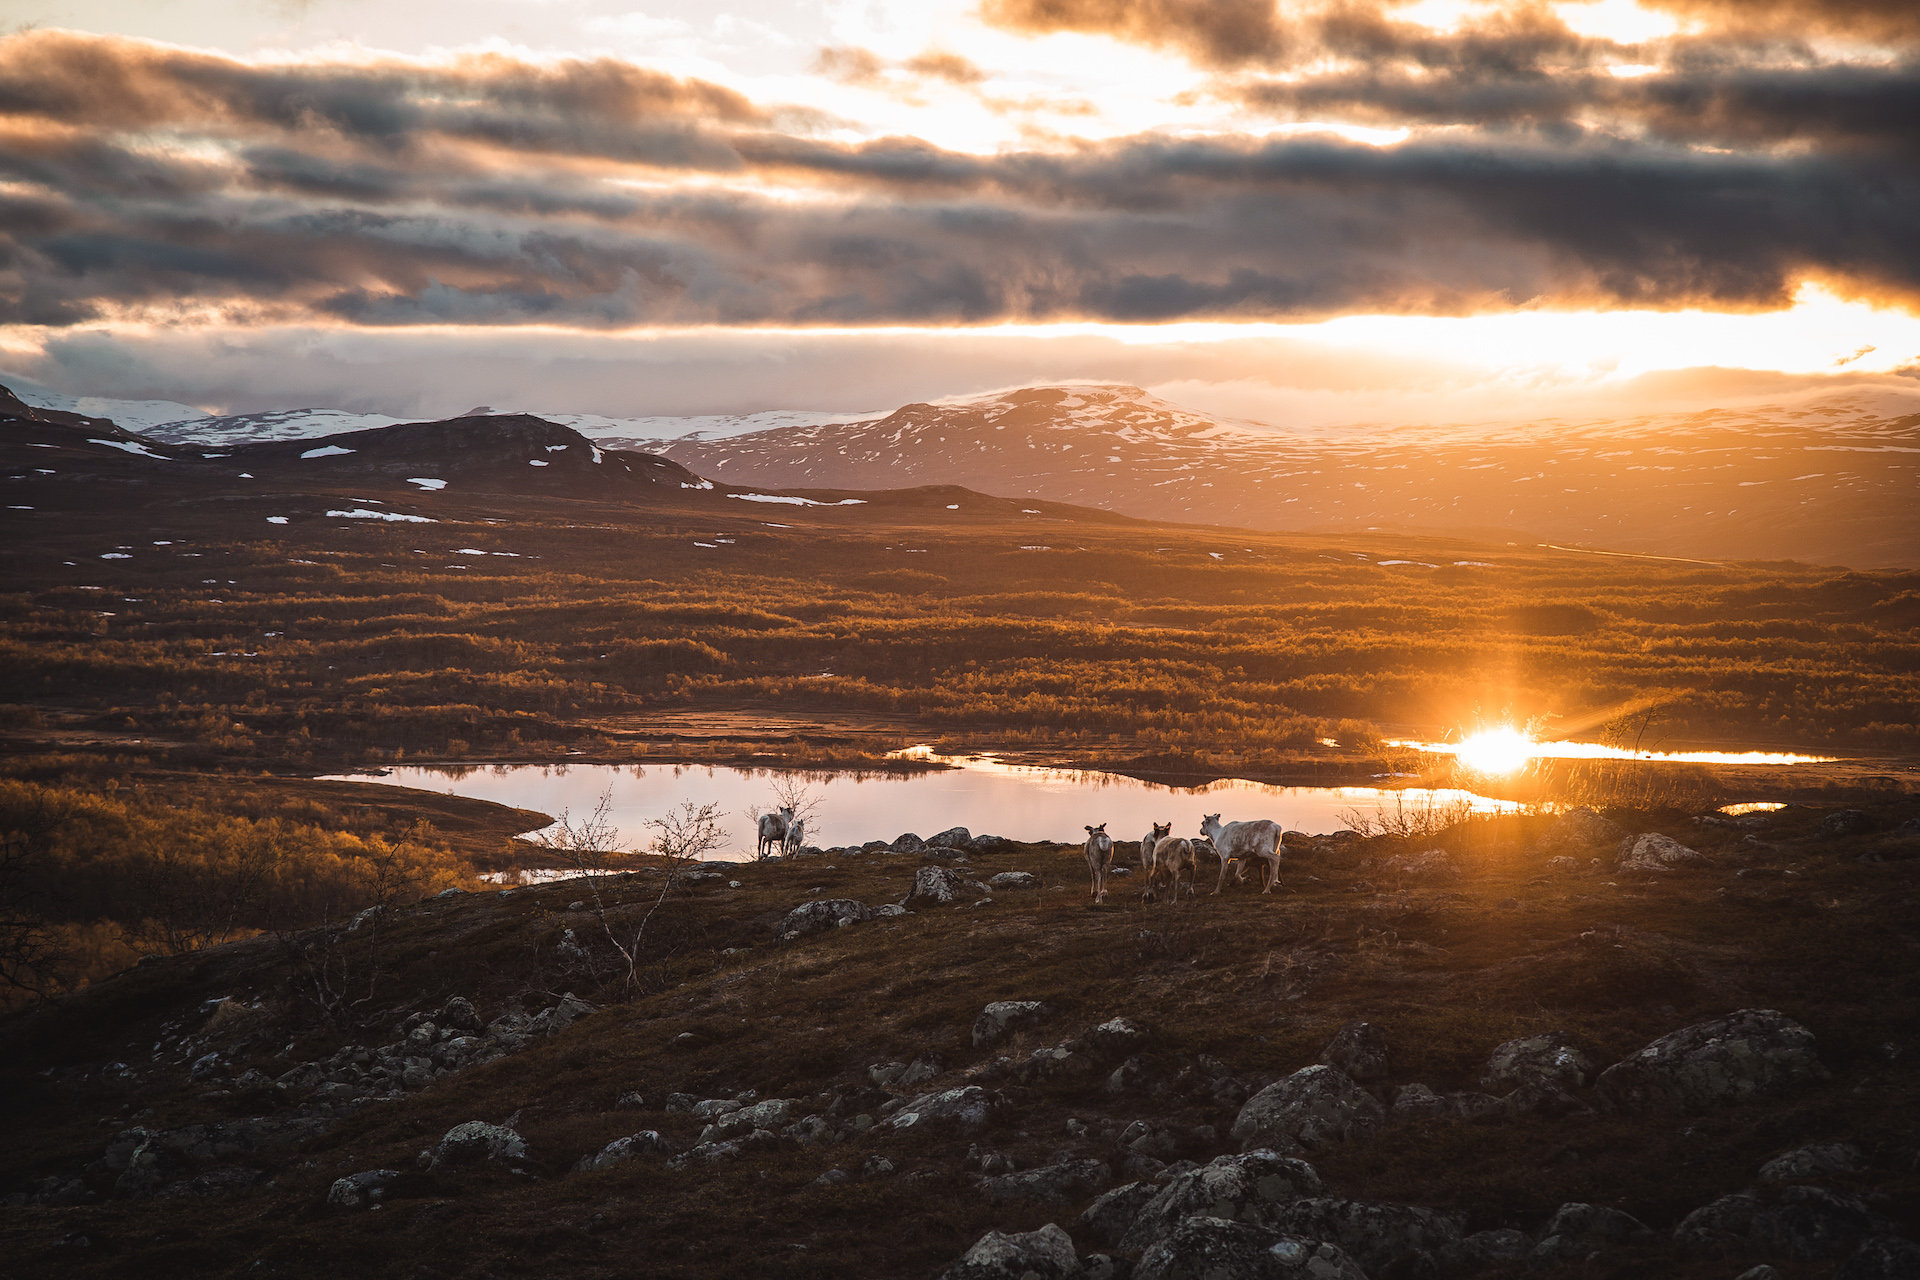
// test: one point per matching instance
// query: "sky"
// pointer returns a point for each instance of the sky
(1305, 213)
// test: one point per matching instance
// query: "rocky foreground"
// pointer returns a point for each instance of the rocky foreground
(1617, 1045)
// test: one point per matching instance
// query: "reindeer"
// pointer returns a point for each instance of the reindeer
(1152, 838)
(1171, 856)
(796, 837)
(1099, 859)
(1242, 842)
(773, 830)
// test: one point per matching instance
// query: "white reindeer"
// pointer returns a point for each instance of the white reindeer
(1242, 842)
(796, 836)
(773, 830)
(1099, 859)
(1161, 830)
(1171, 856)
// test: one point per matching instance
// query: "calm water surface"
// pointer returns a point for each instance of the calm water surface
(980, 793)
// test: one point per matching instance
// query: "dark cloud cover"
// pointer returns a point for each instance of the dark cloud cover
(139, 178)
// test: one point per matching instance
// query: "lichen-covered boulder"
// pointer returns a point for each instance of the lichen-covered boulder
(1377, 1235)
(998, 1020)
(1046, 1254)
(939, 886)
(1750, 1054)
(1576, 1230)
(1820, 1160)
(621, 1150)
(1360, 1050)
(1112, 1214)
(1014, 880)
(816, 917)
(968, 1108)
(1655, 852)
(951, 838)
(1216, 1249)
(1583, 831)
(1882, 1258)
(1241, 1188)
(1073, 1180)
(476, 1143)
(1549, 1056)
(1314, 1107)
(361, 1190)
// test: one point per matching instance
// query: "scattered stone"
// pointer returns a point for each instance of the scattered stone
(1014, 880)
(1242, 1188)
(1113, 1213)
(906, 842)
(939, 886)
(1749, 1054)
(1883, 1258)
(810, 918)
(951, 838)
(1550, 1057)
(1070, 1180)
(459, 1014)
(475, 1143)
(1216, 1249)
(969, 1107)
(1813, 1223)
(1847, 822)
(1434, 863)
(1416, 1102)
(1402, 1238)
(1576, 1230)
(214, 1182)
(1485, 1249)
(1761, 1272)
(1655, 852)
(630, 1101)
(1046, 1254)
(361, 1190)
(1314, 1107)
(998, 1019)
(1817, 1161)
(1360, 1050)
(621, 1149)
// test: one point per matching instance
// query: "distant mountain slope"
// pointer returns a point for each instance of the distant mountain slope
(1832, 482)
(134, 415)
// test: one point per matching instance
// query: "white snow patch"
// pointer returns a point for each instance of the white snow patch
(276, 519)
(953, 506)
(536, 462)
(1422, 563)
(326, 451)
(427, 482)
(115, 555)
(794, 502)
(1474, 564)
(361, 513)
(557, 448)
(131, 446)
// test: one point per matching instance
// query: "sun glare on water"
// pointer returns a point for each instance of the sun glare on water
(1503, 750)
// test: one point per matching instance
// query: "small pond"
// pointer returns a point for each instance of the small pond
(980, 793)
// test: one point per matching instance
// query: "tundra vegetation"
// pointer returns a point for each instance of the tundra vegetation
(333, 995)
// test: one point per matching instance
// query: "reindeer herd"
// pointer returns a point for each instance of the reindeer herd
(1164, 855)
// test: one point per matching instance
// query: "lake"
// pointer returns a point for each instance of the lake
(981, 793)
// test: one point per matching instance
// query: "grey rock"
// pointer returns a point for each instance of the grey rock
(1726, 1223)
(1216, 1249)
(772, 1114)
(361, 1190)
(810, 918)
(1820, 1160)
(907, 842)
(1549, 1056)
(1112, 1214)
(1376, 1235)
(1485, 1249)
(1847, 822)
(969, 1108)
(1761, 1272)
(1046, 1254)
(214, 1182)
(1014, 880)
(1245, 1188)
(1655, 852)
(920, 1070)
(939, 886)
(1050, 1184)
(1882, 1258)
(630, 1101)
(1416, 1102)
(1576, 1230)
(712, 1108)
(886, 1074)
(1360, 1050)
(459, 1014)
(951, 838)
(1314, 1107)
(1750, 1054)
(999, 1019)
(476, 1143)
(621, 1150)
(1813, 1223)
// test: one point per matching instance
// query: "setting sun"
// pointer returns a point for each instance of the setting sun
(1502, 750)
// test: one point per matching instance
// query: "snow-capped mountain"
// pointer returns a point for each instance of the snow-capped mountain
(134, 415)
(1831, 481)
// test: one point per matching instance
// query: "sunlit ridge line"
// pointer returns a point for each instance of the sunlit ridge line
(1600, 751)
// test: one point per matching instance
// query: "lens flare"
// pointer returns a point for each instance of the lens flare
(1503, 750)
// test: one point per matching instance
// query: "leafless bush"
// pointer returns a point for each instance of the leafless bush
(1410, 820)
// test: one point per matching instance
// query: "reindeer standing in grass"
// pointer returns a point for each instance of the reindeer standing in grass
(795, 838)
(1161, 830)
(773, 830)
(1171, 856)
(1242, 842)
(1099, 859)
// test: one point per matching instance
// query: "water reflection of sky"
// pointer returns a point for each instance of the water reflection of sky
(981, 794)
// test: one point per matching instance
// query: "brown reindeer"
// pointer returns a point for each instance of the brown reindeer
(1171, 856)
(1099, 859)
(1152, 838)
